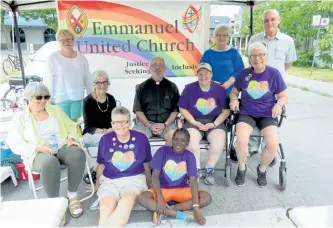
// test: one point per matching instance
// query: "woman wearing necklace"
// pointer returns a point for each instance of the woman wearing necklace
(97, 108)
(225, 61)
(204, 107)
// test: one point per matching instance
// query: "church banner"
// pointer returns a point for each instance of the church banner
(122, 37)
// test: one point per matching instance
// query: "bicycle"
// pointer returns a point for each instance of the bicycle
(15, 92)
(10, 63)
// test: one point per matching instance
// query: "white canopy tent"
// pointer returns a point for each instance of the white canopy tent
(22, 5)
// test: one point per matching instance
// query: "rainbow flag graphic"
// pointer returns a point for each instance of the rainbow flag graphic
(132, 34)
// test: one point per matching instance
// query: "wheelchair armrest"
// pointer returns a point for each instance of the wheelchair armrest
(283, 115)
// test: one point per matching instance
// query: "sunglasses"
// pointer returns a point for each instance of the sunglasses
(46, 97)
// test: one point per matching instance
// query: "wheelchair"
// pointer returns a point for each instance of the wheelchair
(283, 167)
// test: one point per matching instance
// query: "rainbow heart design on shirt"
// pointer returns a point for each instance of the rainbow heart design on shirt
(174, 170)
(123, 161)
(205, 106)
(257, 89)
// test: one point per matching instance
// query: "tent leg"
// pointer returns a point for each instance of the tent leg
(14, 9)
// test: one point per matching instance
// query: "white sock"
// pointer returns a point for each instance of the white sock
(71, 195)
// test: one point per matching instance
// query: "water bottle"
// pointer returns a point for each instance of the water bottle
(53, 142)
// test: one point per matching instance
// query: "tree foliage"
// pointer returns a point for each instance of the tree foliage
(296, 20)
(49, 17)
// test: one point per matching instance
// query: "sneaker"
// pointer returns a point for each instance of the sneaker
(209, 176)
(261, 180)
(240, 178)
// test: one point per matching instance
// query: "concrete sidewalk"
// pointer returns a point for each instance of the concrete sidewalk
(279, 217)
(320, 87)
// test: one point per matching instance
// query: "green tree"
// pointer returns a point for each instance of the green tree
(49, 17)
(296, 20)
(3, 28)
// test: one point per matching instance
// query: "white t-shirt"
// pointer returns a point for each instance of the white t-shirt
(47, 128)
(66, 78)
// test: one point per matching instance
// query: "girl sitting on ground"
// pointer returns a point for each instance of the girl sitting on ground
(174, 178)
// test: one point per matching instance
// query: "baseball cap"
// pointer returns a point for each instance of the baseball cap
(204, 66)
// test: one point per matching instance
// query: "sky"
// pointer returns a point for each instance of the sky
(224, 10)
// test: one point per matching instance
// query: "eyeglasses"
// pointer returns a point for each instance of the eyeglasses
(102, 83)
(158, 65)
(222, 35)
(66, 41)
(269, 19)
(259, 55)
(46, 97)
(122, 122)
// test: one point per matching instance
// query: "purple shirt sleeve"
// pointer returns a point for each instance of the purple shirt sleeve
(191, 165)
(101, 148)
(279, 84)
(156, 162)
(239, 81)
(147, 149)
(184, 100)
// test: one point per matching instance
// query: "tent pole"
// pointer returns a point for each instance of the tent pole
(14, 9)
(251, 4)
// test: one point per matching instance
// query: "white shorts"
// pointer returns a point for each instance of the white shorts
(116, 188)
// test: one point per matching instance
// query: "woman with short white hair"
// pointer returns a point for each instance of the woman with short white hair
(123, 170)
(45, 135)
(260, 85)
(225, 61)
(68, 76)
(97, 108)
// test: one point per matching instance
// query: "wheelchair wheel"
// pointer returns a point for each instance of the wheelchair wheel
(227, 174)
(282, 178)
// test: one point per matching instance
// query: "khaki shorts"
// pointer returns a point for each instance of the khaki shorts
(116, 188)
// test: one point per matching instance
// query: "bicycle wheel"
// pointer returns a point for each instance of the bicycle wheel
(16, 96)
(5, 104)
(7, 67)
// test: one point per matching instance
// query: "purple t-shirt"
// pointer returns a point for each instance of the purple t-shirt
(176, 169)
(258, 91)
(123, 159)
(203, 105)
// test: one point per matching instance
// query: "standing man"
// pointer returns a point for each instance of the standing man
(155, 103)
(281, 55)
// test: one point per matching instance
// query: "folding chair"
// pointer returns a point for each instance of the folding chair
(32, 183)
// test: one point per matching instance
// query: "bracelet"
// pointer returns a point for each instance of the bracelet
(214, 125)
(195, 205)
(280, 104)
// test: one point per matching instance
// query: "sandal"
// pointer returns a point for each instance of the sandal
(75, 204)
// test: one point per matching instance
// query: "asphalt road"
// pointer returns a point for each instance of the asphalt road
(307, 136)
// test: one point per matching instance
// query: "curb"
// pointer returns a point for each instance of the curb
(310, 90)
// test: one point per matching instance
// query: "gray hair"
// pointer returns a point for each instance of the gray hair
(34, 89)
(222, 28)
(100, 74)
(256, 45)
(272, 11)
(155, 58)
(121, 111)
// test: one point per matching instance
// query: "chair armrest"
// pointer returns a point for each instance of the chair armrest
(283, 115)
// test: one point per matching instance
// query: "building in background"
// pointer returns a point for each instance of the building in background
(32, 33)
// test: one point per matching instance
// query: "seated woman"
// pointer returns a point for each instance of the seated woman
(204, 107)
(97, 108)
(259, 84)
(123, 169)
(46, 136)
(174, 178)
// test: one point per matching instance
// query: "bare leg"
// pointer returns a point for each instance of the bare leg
(121, 214)
(243, 134)
(204, 200)
(106, 207)
(194, 145)
(216, 139)
(271, 137)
